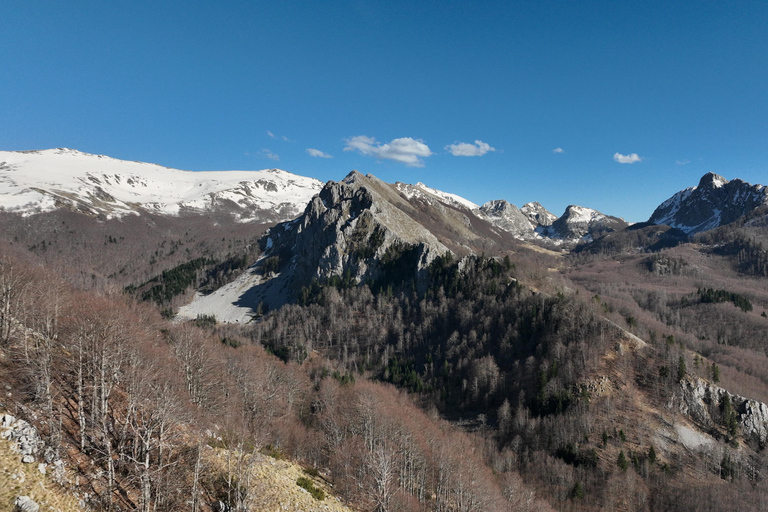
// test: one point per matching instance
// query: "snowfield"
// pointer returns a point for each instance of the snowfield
(40, 181)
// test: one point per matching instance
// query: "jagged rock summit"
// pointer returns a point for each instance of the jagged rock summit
(509, 218)
(585, 224)
(42, 181)
(537, 214)
(348, 228)
(714, 202)
(353, 230)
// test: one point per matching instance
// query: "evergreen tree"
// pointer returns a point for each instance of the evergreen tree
(622, 461)
(681, 369)
(577, 493)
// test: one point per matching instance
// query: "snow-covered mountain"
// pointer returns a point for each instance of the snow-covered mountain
(714, 202)
(422, 191)
(509, 218)
(579, 223)
(531, 222)
(40, 181)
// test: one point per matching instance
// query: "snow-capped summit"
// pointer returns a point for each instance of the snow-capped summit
(583, 223)
(714, 202)
(40, 181)
(509, 218)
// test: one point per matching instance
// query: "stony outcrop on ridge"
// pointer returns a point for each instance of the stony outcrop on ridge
(714, 202)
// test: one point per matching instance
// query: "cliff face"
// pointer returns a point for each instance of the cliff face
(351, 230)
(703, 402)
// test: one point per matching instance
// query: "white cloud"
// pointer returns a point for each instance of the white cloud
(281, 137)
(558, 150)
(405, 150)
(682, 162)
(479, 148)
(627, 159)
(269, 154)
(317, 153)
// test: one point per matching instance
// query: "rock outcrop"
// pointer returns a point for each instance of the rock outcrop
(701, 400)
(25, 504)
(24, 436)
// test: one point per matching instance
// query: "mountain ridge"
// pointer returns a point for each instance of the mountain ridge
(41, 181)
(714, 202)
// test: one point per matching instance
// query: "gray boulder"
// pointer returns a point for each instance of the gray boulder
(25, 504)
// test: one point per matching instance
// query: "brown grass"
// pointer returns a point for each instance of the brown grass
(19, 479)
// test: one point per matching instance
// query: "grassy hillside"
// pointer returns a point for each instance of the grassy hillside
(19, 479)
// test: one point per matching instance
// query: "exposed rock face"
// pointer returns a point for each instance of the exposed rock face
(348, 230)
(699, 399)
(714, 202)
(584, 223)
(509, 218)
(359, 230)
(538, 215)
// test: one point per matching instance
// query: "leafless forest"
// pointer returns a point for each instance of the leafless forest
(511, 384)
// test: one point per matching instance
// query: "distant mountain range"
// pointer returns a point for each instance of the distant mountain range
(40, 181)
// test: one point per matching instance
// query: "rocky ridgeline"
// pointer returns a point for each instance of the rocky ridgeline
(714, 202)
(347, 229)
(699, 397)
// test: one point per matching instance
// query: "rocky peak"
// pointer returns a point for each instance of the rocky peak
(508, 217)
(582, 223)
(714, 202)
(537, 214)
(712, 180)
(346, 230)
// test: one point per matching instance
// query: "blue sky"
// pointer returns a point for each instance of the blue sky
(403, 90)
